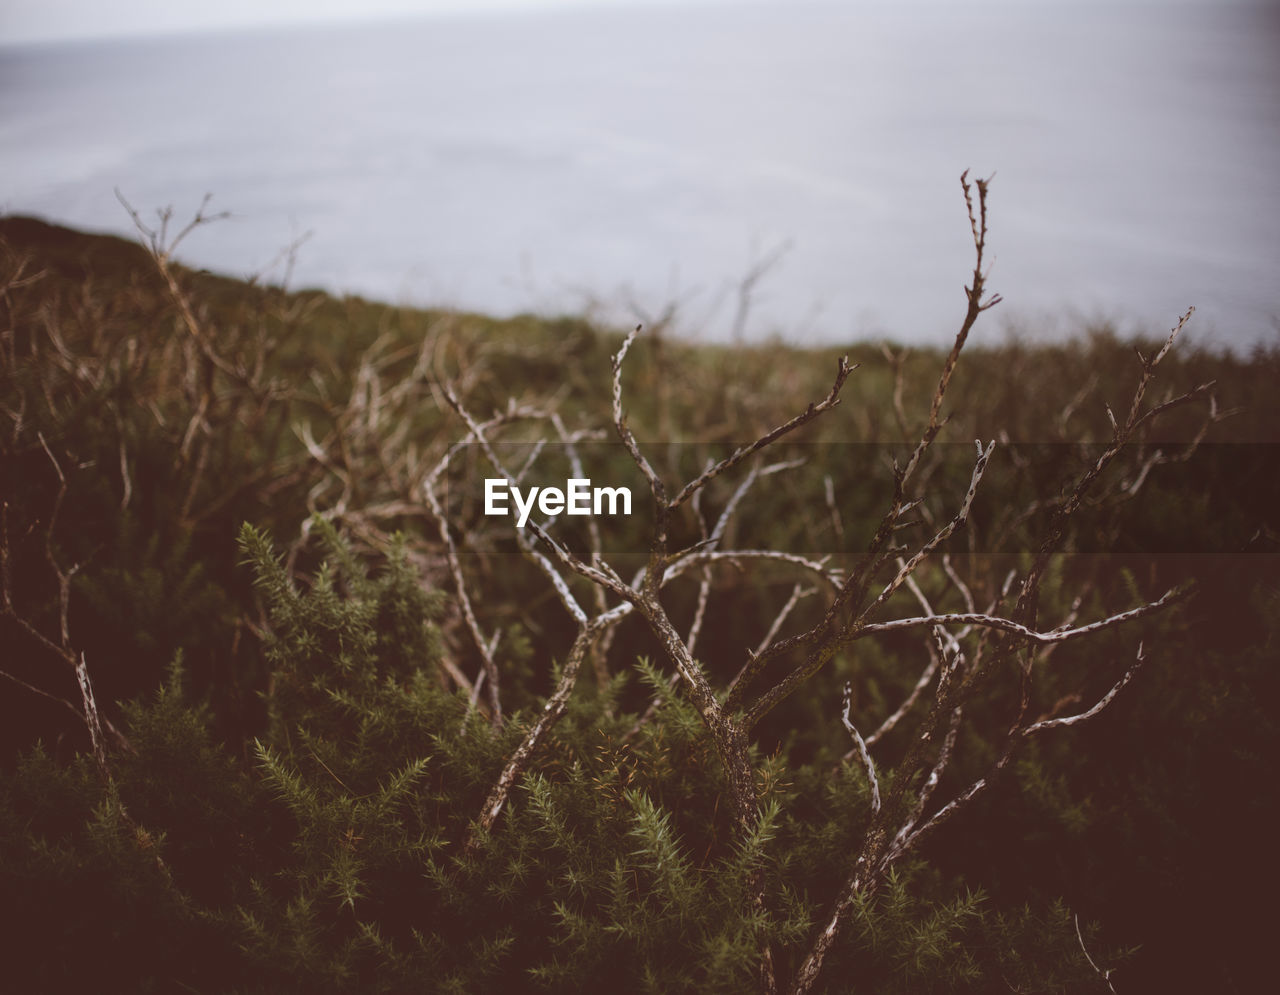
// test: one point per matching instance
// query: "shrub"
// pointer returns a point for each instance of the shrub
(788, 764)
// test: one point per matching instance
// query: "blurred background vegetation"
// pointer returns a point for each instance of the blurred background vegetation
(177, 413)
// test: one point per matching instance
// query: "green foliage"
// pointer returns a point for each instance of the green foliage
(295, 807)
(334, 861)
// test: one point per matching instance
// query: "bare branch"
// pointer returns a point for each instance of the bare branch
(1104, 975)
(620, 424)
(699, 611)
(961, 516)
(551, 712)
(468, 613)
(747, 285)
(937, 653)
(829, 491)
(868, 764)
(973, 293)
(797, 592)
(960, 585)
(1016, 736)
(1103, 702)
(77, 712)
(1016, 628)
(926, 677)
(854, 628)
(930, 783)
(843, 369)
(832, 578)
(717, 533)
(91, 718)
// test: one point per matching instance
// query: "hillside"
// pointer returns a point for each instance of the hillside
(335, 745)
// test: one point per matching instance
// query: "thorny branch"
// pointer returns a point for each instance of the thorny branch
(965, 647)
(860, 746)
(63, 648)
(1104, 975)
(96, 724)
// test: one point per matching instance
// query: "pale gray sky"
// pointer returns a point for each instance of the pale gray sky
(550, 162)
(47, 20)
(24, 21)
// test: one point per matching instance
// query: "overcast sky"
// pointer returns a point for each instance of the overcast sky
(41, 20)
(50, 20)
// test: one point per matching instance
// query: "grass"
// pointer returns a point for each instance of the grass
(136, 444)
